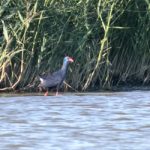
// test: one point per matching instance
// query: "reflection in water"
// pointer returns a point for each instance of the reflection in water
(106, 121)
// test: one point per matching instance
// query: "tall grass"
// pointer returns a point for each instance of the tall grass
(109, 41)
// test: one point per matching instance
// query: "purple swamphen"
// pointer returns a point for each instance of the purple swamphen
(55, 79)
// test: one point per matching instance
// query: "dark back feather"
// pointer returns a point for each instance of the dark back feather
(52, 80)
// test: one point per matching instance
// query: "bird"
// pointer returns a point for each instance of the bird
(55, 79)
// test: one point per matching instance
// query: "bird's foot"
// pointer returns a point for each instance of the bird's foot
(60, 94)
(56, 93)
(46, 94)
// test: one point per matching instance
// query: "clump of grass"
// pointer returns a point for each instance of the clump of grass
(108, 39)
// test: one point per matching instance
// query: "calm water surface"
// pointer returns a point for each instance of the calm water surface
(101, 121)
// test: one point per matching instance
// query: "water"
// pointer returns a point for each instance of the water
(99, 121)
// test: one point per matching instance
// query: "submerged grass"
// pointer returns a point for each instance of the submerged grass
(108, 39)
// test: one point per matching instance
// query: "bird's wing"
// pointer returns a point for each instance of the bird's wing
(52, 79)
(45, 75)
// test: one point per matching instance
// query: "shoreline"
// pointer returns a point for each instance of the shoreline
(88, 92)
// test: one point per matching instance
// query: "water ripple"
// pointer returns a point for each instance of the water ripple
(106, 121)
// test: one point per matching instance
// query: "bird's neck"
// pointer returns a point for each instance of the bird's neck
(64, 66)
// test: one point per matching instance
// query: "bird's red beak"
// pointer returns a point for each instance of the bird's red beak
(71, 59)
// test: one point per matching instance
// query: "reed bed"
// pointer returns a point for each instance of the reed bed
(109, 40)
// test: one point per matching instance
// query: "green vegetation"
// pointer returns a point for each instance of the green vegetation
(109, 40)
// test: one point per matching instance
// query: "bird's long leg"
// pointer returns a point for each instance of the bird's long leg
(57, 90)
(46, 93)
(56, 93)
